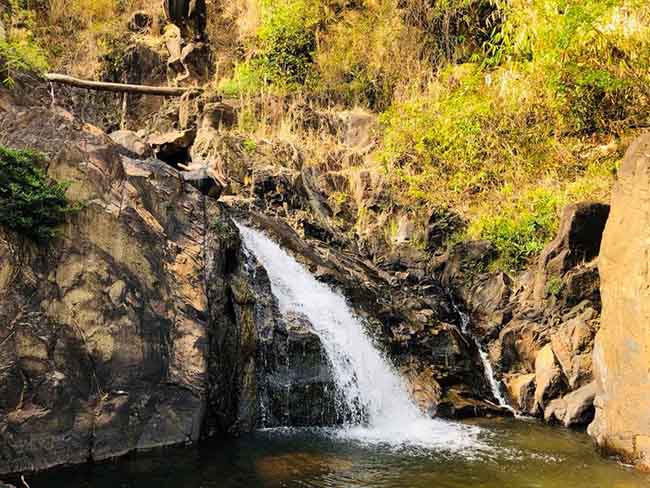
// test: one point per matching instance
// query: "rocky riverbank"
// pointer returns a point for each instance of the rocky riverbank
(145, 323)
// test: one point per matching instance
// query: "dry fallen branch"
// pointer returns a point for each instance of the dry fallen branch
(161, 91)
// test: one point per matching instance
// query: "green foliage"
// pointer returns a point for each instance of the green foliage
(30, 203)
(521, 228)
(282, 49)
(287, 39)
(19, 51)
(249, 146)
(554, 286)
(19, 56)
(593, 54)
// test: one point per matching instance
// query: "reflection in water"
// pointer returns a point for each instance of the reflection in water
(522, 455)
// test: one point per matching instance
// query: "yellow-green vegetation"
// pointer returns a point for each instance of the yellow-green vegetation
(503, 111)
(69, 35)
(19, 50)
(500, 111)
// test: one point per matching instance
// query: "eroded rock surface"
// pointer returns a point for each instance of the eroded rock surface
(142, 324)
(622, 351)
(538, 327)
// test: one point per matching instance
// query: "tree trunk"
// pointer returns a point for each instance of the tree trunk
(162, 91)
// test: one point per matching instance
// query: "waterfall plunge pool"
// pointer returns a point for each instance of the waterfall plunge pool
(513, 454)
(390, 442)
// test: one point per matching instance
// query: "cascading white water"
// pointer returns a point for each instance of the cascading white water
(487, 366)
(382, 410)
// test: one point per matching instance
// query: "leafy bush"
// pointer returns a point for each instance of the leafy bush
(30, 203)
(281, 51)
(287, 39)
(19, 56)
(521, 228)
(19, 51)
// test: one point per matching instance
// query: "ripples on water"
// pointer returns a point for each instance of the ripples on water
(509, 453)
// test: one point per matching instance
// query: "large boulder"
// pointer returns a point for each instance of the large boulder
(575, 409)
(105, 331)
(132, 143)
(549, 379)
(577, 241)
(622, 349)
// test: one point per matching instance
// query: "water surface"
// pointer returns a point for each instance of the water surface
(513, 454)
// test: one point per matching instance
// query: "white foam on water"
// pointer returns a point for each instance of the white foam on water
(382, 410)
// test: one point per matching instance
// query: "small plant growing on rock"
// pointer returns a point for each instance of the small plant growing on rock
(554, 286)
(30, 202)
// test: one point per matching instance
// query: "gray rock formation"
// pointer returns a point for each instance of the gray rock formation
(540, 326)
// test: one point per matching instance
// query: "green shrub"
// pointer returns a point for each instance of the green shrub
(281, 51)
(30, 203)
(287, 39)
(19, 56)
(19, 51)
(519, 229)
(554, 286)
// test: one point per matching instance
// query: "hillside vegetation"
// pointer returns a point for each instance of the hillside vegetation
(498, 112)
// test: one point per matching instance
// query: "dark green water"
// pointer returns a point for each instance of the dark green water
(515, 454)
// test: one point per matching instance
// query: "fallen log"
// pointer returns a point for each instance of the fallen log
(161, 91)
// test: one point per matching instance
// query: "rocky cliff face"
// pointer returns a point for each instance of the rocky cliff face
(622, 351)
(538, 328)
(142, 324)
(146, 324)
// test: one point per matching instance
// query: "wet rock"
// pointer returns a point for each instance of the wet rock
(407, 322)
(459, 404)
(424, 389)
(575, 409)
(521, 391)
(622, 350)
(300, 385)
(549, 380)
(132, 143)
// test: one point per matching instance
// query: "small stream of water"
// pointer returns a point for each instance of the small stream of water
(495, 385)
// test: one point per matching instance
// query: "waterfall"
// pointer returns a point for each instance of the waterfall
(372, 391)
(487, 366)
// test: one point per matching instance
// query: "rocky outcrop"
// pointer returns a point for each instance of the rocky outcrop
(142, 324)
(622, 351)
(538, 327)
